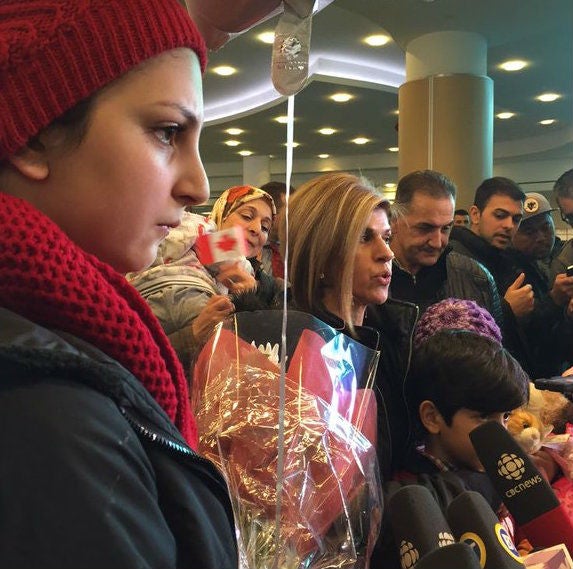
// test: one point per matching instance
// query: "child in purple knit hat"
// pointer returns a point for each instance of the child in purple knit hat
(461, 376)
(456, 314)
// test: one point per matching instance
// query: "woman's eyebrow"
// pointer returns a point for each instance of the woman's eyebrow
(186, 112)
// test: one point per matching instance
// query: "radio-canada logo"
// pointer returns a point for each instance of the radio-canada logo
(445, 538)
(511, 466)
(409, 555)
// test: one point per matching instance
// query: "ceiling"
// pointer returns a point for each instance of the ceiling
(538, 31)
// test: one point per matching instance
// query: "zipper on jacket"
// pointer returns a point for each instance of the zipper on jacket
(162, 440)
(410, 349)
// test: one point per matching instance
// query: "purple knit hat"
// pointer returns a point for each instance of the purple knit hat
(456, 314)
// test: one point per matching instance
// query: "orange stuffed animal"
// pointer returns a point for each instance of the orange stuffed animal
(528, 430)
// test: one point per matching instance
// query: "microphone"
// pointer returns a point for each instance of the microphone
(527, 495)
(418, 524)
(475, 523)
(455, 556)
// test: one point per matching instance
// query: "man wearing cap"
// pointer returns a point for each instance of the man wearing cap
(534, 244)
(534, 316)
(549, 328)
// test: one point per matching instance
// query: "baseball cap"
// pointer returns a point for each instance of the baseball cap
(535, 204)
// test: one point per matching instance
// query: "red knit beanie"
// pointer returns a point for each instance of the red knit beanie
(54, 53)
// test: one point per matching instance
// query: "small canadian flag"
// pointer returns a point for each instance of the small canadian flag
(225, 245)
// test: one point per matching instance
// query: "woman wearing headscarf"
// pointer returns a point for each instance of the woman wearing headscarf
(190, 298)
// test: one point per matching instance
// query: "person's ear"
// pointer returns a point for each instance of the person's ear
(31, 162)
(475, 215)
(430, 417)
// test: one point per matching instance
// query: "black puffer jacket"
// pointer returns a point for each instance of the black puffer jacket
(94, 474)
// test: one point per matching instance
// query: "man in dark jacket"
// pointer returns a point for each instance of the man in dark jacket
(496, 216)
(425, 269)
(549, 328)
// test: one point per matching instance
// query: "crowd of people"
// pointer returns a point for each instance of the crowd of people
(105, 303)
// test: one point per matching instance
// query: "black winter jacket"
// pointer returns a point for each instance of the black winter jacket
(540, 341)
(94, 474)
(453, 276)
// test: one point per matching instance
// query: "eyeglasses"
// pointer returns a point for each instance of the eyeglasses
(567, 218)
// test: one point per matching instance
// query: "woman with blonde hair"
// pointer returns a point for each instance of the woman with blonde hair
(340, 265)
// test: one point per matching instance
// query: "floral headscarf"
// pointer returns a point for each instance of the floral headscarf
(233, 198)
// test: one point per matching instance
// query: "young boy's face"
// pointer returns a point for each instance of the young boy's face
(453, 443)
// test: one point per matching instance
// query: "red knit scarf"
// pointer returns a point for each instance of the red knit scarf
(47, 278)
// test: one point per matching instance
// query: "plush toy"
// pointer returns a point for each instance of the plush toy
(532, 427)
(551, 408)
(528, 430)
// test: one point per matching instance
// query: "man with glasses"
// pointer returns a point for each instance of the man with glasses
(563, 193)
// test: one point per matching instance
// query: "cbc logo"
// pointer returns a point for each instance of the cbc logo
(409, 555)
(445, 538)
(510, 466)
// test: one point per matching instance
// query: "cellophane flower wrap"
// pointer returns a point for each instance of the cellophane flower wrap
(317, 503)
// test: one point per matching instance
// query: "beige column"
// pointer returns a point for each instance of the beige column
(446, 110)
(256, 170)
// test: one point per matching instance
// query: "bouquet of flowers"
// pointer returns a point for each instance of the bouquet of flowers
(297, 448)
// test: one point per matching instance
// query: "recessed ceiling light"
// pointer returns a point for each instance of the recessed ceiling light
(360, 140)
(245, 153)
(504, 116)
(324, 155)
(327, 131)
(393, 149)
(234, 131)
(548, 97)
(513, 65)
(390, 185)
(376, 40)
(224, 70)
(341, 97)
(547, 121)
(232, 142)
(267, 37)
(282, 119)
(294, 144)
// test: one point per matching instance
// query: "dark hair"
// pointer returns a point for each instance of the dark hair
(427, 182)
(497, 186)
(73, 125)
(563, 187)
(276, 189)
(458, 369)
(461, 212)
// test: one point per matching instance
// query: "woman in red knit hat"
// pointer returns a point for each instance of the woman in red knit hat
(100, 109)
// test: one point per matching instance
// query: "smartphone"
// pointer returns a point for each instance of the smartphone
(569, 271)
(557, 383)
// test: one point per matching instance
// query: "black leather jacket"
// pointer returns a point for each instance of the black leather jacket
(389, 328)
(453, 276)
(94, 474)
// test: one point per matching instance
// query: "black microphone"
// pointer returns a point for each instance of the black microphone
(474, 522)
(455, 556)
(527, 495)
(418, 524)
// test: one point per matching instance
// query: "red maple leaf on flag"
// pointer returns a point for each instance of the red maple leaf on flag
(226, 243)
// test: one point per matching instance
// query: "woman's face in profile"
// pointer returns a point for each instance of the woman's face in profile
(373, 262)
(118, 193)
(256, 219)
